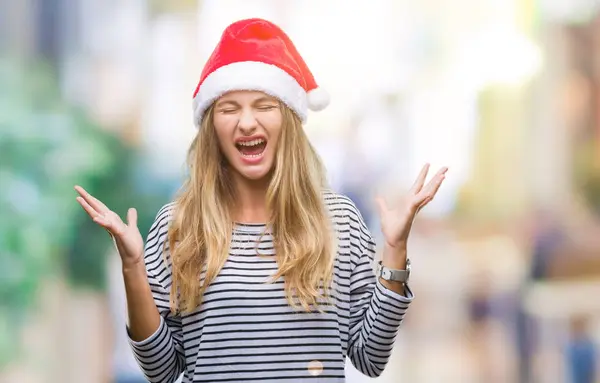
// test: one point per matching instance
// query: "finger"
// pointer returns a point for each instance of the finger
(437, 185)
(424, 203)
(420, 181)
(432, 187)
(88, 209)
(99, 203)
(435, 179)
(108, 222)
(92, 201)
(104, 222)
(117, 226)
(132, 217)
(381, 205)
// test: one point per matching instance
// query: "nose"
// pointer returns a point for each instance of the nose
(247, 123)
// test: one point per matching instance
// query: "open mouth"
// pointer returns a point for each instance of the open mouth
(252, 148)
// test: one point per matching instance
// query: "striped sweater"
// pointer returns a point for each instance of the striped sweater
(246, 331)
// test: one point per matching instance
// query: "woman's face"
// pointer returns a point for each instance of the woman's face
(248, 125)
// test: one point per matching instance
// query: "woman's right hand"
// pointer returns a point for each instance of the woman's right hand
(127, 237)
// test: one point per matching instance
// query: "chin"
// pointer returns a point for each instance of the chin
(255, 174)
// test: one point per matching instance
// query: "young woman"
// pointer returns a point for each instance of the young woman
(256, 272)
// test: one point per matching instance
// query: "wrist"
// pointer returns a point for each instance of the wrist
(400, 245)
(394, 257)
(133, 268)
(394, 275)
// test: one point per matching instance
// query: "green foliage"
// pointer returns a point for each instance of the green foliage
(47, 147)
(587, 173)
(591, 190)
(158, 7)
(119, 191)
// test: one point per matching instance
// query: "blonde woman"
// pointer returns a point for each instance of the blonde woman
(256, 272)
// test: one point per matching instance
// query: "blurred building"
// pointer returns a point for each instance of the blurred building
(504, 92)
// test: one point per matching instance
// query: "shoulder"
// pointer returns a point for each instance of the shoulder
(349, 222)
(160, 228)
(166, 211)
(155, 253)
(342, 206)
(164, 215)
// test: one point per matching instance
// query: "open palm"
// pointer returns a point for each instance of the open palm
(396, 222)
(127, 237)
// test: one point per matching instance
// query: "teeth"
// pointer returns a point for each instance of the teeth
(251, 143)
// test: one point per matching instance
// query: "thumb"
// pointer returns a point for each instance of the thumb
(132, 217)
(381, 205)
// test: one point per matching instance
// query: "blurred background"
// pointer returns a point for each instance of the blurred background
(504, 92)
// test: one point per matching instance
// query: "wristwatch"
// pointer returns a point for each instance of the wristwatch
(393, 275)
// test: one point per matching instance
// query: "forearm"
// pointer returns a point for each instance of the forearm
(143, 316)
(374, 333)
(156, 341)
(394, 258)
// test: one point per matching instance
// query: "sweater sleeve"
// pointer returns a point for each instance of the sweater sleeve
(375, 311)
(160, 356)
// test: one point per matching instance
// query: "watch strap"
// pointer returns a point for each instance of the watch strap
(393, 275)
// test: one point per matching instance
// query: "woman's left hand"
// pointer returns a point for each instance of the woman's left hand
(396, 222)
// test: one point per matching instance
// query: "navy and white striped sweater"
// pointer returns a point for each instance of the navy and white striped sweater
(246, 331)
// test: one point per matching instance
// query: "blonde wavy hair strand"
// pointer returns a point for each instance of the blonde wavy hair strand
(200, 234)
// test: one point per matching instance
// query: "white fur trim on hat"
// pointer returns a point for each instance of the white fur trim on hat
(251, 75)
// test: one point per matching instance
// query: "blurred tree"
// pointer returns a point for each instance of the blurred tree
(160, 6)
(587, 173)
(46, 147)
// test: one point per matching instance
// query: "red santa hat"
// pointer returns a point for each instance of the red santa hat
(255, 54)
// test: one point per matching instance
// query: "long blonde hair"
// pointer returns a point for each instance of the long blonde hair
(200, 234)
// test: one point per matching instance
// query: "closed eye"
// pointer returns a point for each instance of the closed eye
(266, 107)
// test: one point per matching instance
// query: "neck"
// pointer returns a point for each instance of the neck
(250, 200)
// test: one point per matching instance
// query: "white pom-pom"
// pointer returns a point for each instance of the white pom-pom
(318, 99)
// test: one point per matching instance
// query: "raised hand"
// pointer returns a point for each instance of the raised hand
(396, 222)
(127, 237)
